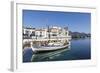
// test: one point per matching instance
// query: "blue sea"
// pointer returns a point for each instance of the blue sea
(80, 49)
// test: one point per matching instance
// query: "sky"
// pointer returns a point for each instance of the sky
(75, 21)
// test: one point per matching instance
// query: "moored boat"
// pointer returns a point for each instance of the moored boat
(48, 48)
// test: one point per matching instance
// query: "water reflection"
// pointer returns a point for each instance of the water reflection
(48, 56)
(78, 50)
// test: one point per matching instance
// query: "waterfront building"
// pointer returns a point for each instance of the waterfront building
(43, 33)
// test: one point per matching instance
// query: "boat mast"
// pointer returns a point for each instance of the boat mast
(48, 33)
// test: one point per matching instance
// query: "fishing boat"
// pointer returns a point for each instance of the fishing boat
(51, 46)
(48, 48)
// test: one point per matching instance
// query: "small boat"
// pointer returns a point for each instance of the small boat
(48, 48)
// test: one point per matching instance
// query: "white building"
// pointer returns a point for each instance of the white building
(52, 32)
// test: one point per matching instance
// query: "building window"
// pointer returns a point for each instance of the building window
(54, 34)
(33, 33)
(40, 34)
(26, 32)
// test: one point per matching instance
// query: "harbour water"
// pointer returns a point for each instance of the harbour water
(80, 49)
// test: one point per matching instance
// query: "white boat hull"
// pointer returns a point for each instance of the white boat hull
(49, 48)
